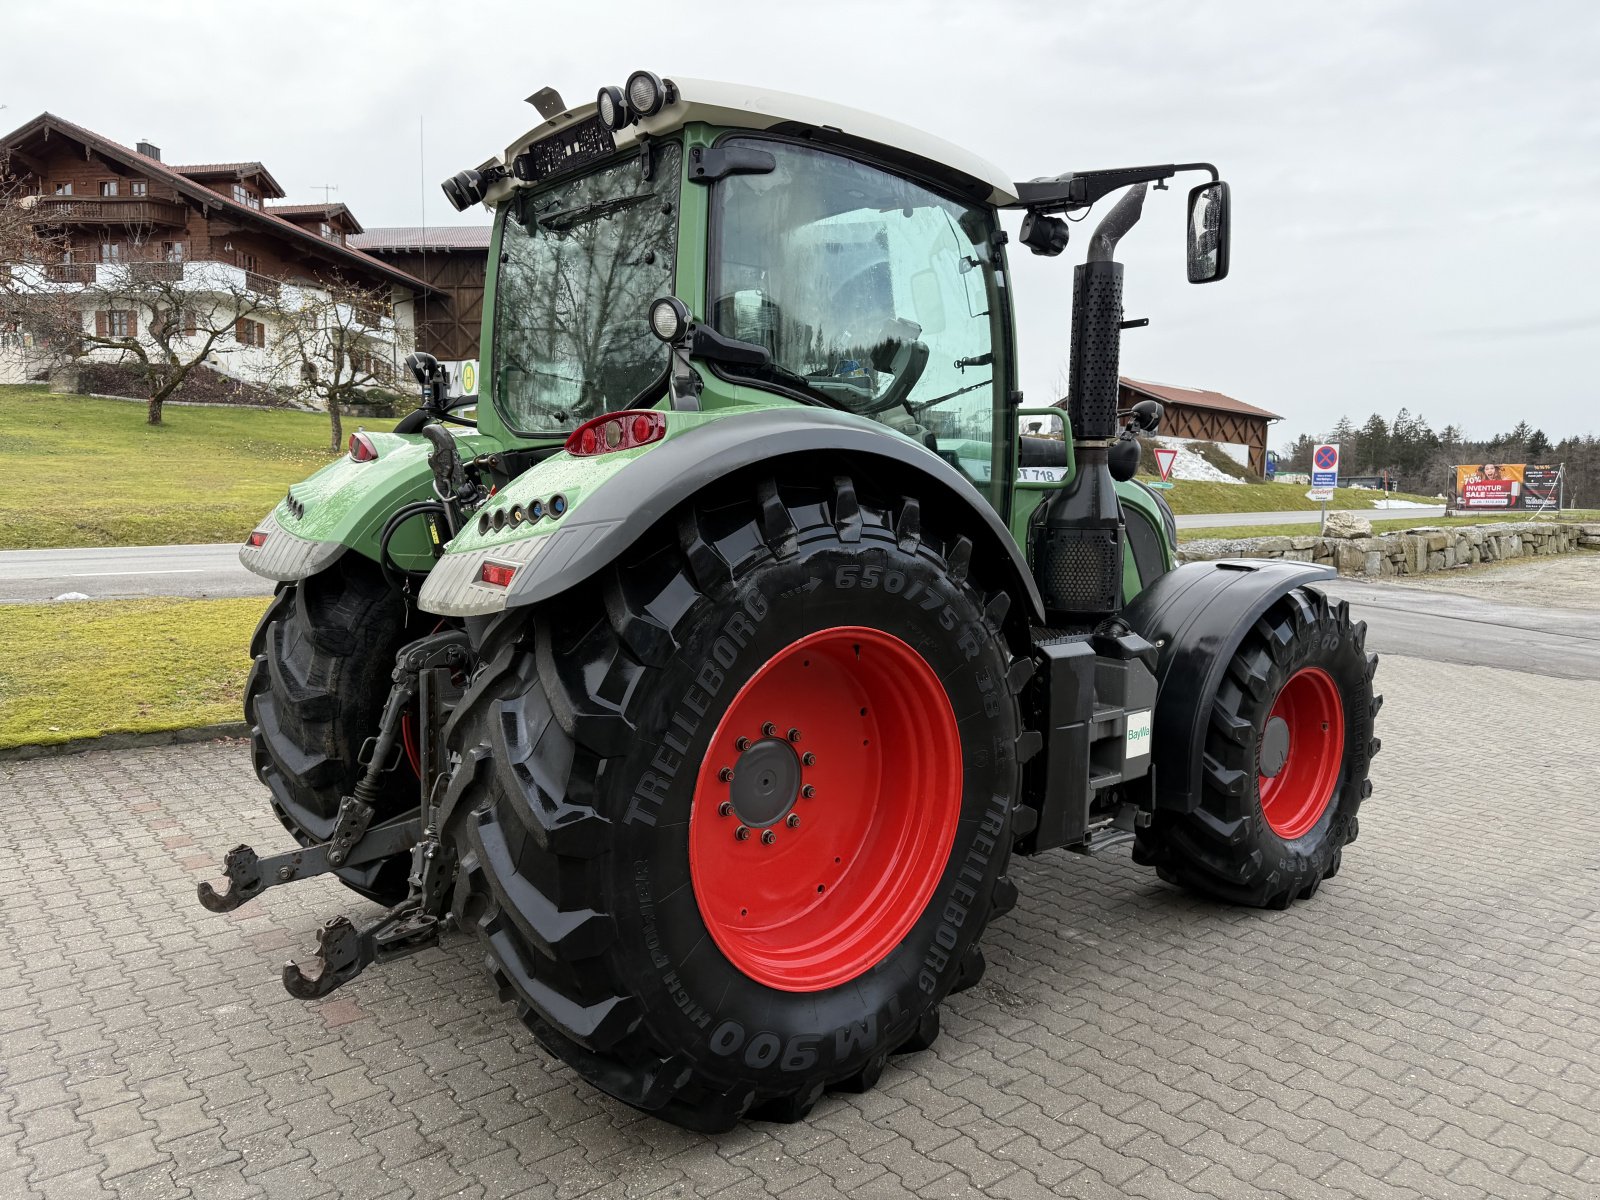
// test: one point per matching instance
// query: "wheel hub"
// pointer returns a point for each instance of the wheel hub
(766, 783)
(1274, 747)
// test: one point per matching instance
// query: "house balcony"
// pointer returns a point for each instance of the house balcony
(127, 211)
(201, 277)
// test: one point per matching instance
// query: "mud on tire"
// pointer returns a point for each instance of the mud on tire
(580, 745)
(323, 654)
(1233, 847)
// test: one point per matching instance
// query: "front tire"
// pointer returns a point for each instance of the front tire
(813, 670)
(1285, 762)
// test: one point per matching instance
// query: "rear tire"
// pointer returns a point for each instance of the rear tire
(324, 653)
(1278, 805)
(588, 804)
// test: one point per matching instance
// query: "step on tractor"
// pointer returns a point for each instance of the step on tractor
(710, 666)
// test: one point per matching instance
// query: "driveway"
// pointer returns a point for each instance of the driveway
(1427, 1026)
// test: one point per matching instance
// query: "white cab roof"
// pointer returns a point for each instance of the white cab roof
(744, 107)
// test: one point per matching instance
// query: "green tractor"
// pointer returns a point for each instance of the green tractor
(713, 671)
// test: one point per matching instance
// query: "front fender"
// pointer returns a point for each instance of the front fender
(344, 506)
(615, 498)
(1196, 616)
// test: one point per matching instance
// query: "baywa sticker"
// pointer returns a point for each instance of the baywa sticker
(1138, 734)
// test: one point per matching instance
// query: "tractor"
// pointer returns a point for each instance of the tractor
(710, 666)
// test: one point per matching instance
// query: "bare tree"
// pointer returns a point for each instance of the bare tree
(335, 339)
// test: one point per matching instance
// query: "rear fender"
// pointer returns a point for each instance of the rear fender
(344, 506)
(1196, 616)
(615, 499)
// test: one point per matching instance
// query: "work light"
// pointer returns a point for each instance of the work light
(646, 93)
(613, 110)
(669, 318)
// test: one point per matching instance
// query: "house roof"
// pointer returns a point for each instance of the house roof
(154, 168)
(416, 237)
(233, 170)
(1169, 393)
(325, 211)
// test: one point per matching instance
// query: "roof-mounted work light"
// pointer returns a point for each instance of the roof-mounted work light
(647, 93)
(613, 108)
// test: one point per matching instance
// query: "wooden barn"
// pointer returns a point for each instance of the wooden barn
(1205, 416)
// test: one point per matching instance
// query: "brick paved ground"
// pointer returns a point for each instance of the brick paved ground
(1427, 1026)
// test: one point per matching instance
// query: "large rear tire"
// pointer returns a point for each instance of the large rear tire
(1285, 762)
(324, 653)
(812, 670)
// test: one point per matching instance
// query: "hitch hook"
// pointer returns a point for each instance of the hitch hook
(242, 866)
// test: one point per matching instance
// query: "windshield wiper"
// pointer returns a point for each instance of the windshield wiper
(914, 409)
(564, 220)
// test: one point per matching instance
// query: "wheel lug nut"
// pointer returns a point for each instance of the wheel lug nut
(741, 833)
(794, 735)
(769, 729)
(808, 791)
(726, 774)
(794, 821)
(725, 808)
(809, 759)
(742, 744)
(768, 837)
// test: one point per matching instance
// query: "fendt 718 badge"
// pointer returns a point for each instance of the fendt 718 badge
(710, 665)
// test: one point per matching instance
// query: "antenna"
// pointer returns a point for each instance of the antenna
(325, 189)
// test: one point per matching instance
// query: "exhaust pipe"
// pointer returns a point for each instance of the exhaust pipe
(1077, 550)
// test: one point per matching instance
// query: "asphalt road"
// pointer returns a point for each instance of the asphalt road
(123, 572)
(120, 573)
(1300, 517)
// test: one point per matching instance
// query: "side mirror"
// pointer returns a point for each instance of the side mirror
(1209, 206)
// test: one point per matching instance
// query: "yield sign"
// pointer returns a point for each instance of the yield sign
(1164, 459)
(1327, 458)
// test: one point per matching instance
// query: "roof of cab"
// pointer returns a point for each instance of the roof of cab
(744, 107)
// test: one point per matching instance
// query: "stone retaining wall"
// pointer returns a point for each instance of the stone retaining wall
(1409, 551)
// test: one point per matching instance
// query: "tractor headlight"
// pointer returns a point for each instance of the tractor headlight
(646, 93)
(464, 189)
(669, 318)
(613, 108)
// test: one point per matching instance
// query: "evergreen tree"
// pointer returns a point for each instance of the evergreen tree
(1538, 446)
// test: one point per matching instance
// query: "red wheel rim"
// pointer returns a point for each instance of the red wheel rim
(821, 887)
(1307, 750)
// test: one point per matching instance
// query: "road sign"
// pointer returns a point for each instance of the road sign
(1320, 495)
(1325, 465)
(1158, 485)
(1164, 459)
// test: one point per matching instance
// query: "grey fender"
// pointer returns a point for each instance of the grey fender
(1196, 616)
(621, 509)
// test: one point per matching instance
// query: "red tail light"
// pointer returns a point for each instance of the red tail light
(361, 448)
(497, 574)
(256, 539)
(617, 431)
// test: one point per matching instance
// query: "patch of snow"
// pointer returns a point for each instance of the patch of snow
(1399, 504)
(1189, 465)
(72, 596)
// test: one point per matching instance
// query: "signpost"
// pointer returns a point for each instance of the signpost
(1324, 476)
(1164, 459)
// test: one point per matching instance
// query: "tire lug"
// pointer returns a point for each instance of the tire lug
(726, 774)
(808, 791)
(768, 837)
(741, 833)
(794, 821)
(794, 735)
(769, 730)
(725, 809)
(742, 744)
(809, 759)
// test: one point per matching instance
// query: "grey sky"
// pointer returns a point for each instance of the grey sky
(1416, 186)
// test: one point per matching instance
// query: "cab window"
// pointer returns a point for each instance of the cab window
(872, 293)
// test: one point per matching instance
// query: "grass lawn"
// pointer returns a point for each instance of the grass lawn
(1195, 496)
(1385, 525)
(121, 666)
(77, 471)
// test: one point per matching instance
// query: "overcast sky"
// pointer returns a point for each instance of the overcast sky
(1416, 186)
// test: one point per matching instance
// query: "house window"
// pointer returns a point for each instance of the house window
(110, 252)
(327, 231)
(249, 333)
(247, 261)
(108, 187)
(63, 189)
(119, 323)
(243, 195)
(139, 187)
(172, 251)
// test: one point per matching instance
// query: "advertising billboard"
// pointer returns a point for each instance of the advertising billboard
(1508, 486)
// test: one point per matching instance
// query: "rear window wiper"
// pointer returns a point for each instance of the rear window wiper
(566, 219)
